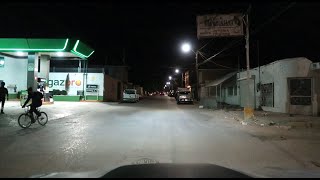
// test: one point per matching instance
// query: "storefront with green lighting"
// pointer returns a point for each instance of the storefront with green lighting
(25, 62)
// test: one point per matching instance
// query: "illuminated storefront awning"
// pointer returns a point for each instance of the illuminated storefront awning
(53, 47)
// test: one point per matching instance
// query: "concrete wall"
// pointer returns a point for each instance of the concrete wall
(14, 73)
(234, 99)
(111, 89)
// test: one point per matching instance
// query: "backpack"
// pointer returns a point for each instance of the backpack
(37, 98)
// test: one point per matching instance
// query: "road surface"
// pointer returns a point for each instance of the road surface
(84, 137)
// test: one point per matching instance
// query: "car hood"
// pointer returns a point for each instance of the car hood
(181, 170)
(158, 170)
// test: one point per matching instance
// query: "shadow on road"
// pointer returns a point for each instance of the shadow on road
(23, 132)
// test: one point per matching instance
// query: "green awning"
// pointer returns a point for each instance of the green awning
(76, 47)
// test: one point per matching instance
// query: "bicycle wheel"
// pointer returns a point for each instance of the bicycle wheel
(43, 119)
(24, 121)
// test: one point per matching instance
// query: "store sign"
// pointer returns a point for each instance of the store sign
(74, 82)
(63, 83)
(219, 25)
(92, 88)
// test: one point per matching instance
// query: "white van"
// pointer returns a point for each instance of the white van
(130, 95)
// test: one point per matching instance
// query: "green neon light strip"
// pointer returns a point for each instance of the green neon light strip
(78, 54)
(74, 50)
(15, 49)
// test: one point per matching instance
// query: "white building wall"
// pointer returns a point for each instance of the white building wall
(234, 100)
(14, 73)
(57, 81)
(278, 72)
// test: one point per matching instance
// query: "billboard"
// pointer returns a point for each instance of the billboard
(219, 25)
(73, 82)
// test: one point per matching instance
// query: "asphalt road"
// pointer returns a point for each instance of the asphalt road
(103, 136)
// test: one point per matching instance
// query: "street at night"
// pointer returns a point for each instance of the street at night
(99, 137)
(169, 89)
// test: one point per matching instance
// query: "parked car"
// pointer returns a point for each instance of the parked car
(161, 93)
(130, 95)
(184, 96)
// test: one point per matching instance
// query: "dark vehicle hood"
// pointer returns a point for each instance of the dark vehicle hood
(182, 170)
(155, 171)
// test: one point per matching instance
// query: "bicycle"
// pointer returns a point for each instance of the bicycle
(25, 119)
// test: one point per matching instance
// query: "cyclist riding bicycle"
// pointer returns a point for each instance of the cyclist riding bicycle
(36, 102)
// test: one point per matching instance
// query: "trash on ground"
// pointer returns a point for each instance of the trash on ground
(283, 138)
(244, 123)
(272, 123)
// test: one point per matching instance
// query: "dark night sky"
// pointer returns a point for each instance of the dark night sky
(151, 32)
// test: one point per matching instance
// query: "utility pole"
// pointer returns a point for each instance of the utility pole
(248, 109)
(197, 74)
(182, 79)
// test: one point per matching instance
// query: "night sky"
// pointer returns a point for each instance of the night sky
(150, 33)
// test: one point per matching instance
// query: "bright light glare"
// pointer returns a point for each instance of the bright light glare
(2, 62)
(177, 70)
(186, 47)
(60, 54)
(170, 77)
(19, 53)
(168, 83)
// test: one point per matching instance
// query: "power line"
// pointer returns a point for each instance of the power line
(205, 44)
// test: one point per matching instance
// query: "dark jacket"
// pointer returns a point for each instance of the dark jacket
(36, 99)
(3, 93)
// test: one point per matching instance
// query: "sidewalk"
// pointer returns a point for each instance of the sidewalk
(278, 120)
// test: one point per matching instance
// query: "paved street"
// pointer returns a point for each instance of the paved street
(93, 136)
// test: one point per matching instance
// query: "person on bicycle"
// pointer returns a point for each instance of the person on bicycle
(36, 102)
(3, 94)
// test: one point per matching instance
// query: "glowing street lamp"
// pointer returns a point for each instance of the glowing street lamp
(170, 77)
(186, 47)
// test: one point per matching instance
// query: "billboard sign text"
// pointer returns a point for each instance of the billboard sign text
(219, 25)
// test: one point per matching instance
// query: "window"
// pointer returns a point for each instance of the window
(230, 91)
(267, 95)
(300, 91)
(130, 91)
